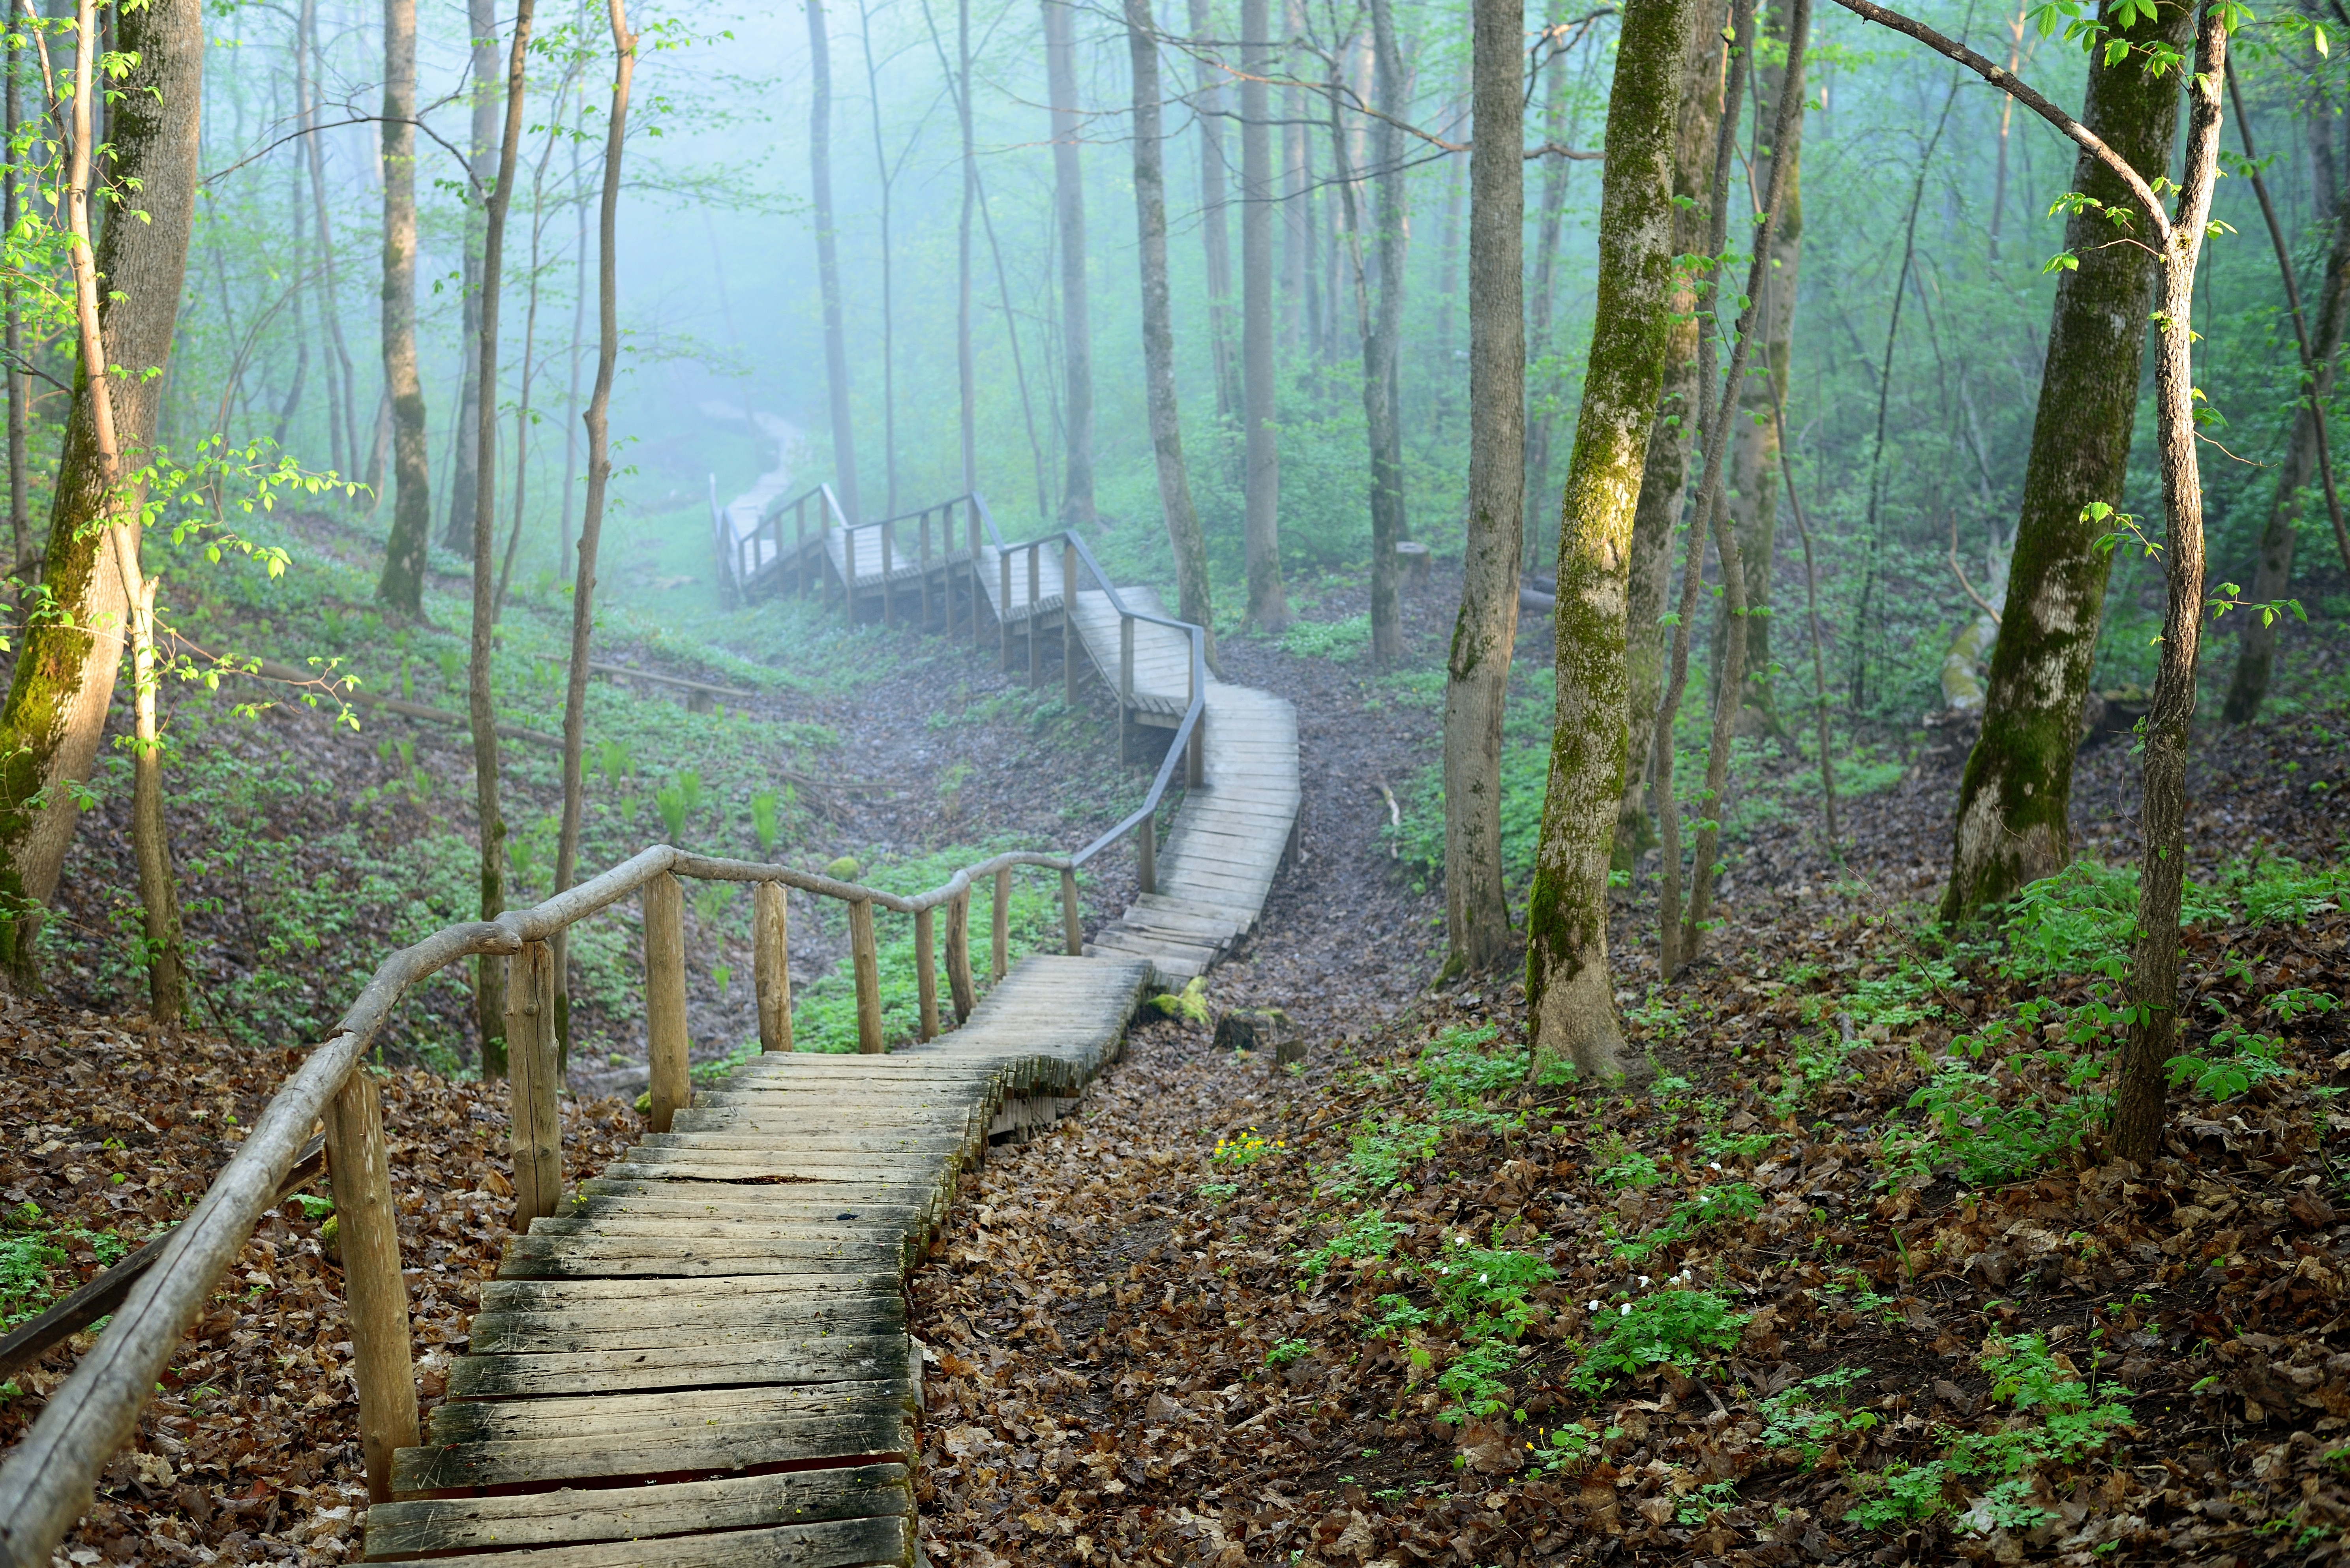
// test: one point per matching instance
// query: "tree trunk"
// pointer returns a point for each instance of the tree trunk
(294, 292)
(828, 266)
(571, 406)
(1754, 452)
(1380, 347)
(66, 667)
(1548, 217)
(1183, 539)
(464, 486)
(2153, 1036)
(343, 408)
(1215, 235)
(490, 972)
(600, 476)
(523, 420)
(2272, 576)
(1295, 126)
(1477, 674)
(20, 385)
(1076, 311)
(402, 584)
(159, 894)
(887, 176)
(1268, 604)
(2012, 802)
(1664, 478)
(966, 372)
(1569, 995)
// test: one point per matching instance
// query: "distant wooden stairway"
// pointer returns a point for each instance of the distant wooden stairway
(1205, 889)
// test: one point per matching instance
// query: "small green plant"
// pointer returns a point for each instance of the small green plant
(1366, 1238)
(765, 823)
(1809, 1416)
(2235, 1060)
(1288, 1352)
(1337, 639)
(1683, 1328)
(25, 1264)
(1571, 1450)
(1487, 1290)
(1714, 1205)
(1476, 1379)
(1218, 1192)
(713, 899)
(1382, 1148)
(1190, 1005)
(672, 801)
(1244, 1148)
(1699, 1506)
(614, 761)
(1398, 1315)
(1633, 1169)
(2301, 1001)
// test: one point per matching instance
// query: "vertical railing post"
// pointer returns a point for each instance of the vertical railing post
(959, 986)
(664, 914)
(374, 1297)
(1125, 688)
(926, 571)
(1072, 931)
(799, 543)
(1146, 854)
(770, 963)
(1035, 591)
(535, 1083)
(926, 975)
(1068, 620)
(848, 573)
(1004, 609)
(1195, 761)
(865, 958)
(1000, 957)
(970, 532)
(889, 565)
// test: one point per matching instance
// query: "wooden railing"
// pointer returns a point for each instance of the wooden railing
(51, 1477)
(739, 559)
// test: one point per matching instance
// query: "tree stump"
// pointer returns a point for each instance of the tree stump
(1253, 1029)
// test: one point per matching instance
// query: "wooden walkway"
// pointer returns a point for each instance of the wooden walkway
(706, 1364)
(1231, 835)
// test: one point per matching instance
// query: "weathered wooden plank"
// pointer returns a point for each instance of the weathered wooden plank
(814, 1358)
(683, 1295)
(680, 1410)
(635, 1513)
(541, 1334)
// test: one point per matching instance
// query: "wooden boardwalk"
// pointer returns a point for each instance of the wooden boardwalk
(1232, 832)
(705, 1363)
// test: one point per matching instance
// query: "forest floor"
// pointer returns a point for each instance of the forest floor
(1227, 1316)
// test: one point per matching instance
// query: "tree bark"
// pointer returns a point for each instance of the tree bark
(402, 584)
(1382, 418)
(600, 476)
(1076, 310)
(1268, 603)
(965, 370)
(1548, 216)
(489, 971)
(2018, 787)
(341, 379)
(2139, 1101)
(1477, 674)
(828, 266)
(1215, 234)
(1664, 478)
(464, 486)
(66, 666)
(887, 177)
(1754, 452)
(1569, 995)
(2273, 574)
(1183, 537)
(20, 385)
(1296, 125)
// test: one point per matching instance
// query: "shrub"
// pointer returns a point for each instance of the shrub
(1681, 1328)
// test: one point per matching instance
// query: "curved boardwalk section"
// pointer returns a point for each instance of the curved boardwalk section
(705, 1363)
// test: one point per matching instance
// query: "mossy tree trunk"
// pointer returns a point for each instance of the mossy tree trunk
(1477, 675)
(1664, 477)
(1568, 992)
(66, 663)
(1380, 345)
(2018, 787)
(402, 584)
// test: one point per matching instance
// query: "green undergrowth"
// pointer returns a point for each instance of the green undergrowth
(34, 1254)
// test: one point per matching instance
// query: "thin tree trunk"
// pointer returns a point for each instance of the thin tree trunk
(1019, 364)
(464, 486)
(1664, 478)
(1268, 604)
(828, 266)
(1548, 217)
(1447, 290)
(1184, 539)
(967, 373)
(571, 393)
(888, 176)
(1811, 613)
(1383, 419)
(2153, 1030)
(1294, 126)
(490, 973)
(331, 307)
(1569, 995)
(293, 403)
(529, 353)
(2016, 794)
(20, 385)
(1477, 673)
(1729, 692)
(2307, 453)
(1755, 451)
(600, 476)
(2006, 113)
(1069, 205)
(402, 584)
(1215, 235)
(66, 668)
(306, 118)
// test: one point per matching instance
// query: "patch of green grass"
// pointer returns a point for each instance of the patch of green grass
(1338, 640)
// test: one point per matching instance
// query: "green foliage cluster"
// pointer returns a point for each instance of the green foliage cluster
(31, 1248)
(1679, 1327)
(1342, 641)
